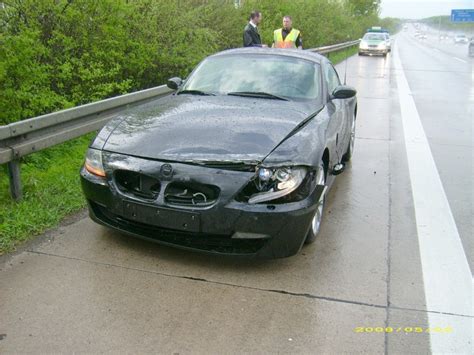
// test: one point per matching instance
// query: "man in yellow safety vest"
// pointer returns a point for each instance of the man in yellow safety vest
(287, 37)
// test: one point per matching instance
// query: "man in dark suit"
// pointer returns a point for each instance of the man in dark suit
(251, 35)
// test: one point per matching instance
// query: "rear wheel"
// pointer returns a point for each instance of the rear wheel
(318, 215)
(350, 148)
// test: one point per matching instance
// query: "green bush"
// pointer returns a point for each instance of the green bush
(62, 53)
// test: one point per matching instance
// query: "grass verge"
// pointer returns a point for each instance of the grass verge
(51, 191)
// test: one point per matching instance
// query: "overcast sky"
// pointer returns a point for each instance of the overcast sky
(422, 8)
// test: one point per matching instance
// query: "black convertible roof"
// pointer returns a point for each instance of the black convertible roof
(296, 53)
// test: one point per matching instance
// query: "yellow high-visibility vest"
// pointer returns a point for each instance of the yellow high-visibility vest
(288, 42)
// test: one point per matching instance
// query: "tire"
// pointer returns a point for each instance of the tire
(318, 215)
(350, 147)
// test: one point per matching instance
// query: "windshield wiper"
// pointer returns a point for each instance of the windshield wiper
(261, 94)
(196, 92)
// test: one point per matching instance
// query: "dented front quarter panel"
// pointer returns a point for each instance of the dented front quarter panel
(305, 147)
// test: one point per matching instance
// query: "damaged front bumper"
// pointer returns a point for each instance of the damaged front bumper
(216, 223)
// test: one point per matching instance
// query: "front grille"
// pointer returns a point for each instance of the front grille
(191, 194)
(137, 184)
(222, 244)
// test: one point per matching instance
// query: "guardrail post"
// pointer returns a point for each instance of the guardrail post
(15, 181)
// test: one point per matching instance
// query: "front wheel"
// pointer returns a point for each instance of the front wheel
(350, 148)
(318, 215)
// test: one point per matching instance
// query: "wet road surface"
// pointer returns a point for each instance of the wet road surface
(89, 289)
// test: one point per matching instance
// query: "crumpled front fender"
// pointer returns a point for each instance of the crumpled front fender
(305, 147)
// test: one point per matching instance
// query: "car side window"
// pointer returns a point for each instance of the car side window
(332, 78)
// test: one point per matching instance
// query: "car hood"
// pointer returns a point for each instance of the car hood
(190, 128)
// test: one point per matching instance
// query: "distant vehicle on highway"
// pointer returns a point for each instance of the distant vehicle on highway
(237, 161)
(374, 44)
(388, 41)
(460, 39)
(471, 47)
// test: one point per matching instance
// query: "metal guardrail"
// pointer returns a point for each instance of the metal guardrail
(35, 134)
(334, 47)
(32, 135)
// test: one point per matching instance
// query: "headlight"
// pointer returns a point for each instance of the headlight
(93, 162)
(364, 45)
(276, 183)
(382, 46)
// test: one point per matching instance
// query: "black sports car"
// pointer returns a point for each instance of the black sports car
(236, 161)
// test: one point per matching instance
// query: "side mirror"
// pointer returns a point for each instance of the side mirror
(174, 83)
(344, 92)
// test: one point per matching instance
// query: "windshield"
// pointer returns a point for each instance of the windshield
(374, 37)
(276, 75)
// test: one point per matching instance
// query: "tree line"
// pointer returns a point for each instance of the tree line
(56, 54)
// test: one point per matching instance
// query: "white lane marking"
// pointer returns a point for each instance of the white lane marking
(447, 277)
(461, 60)
(471, 92)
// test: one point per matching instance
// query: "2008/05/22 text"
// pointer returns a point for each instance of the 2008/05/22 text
(403, 329)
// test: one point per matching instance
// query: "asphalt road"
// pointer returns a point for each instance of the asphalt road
(368, 284)
(441, 78)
